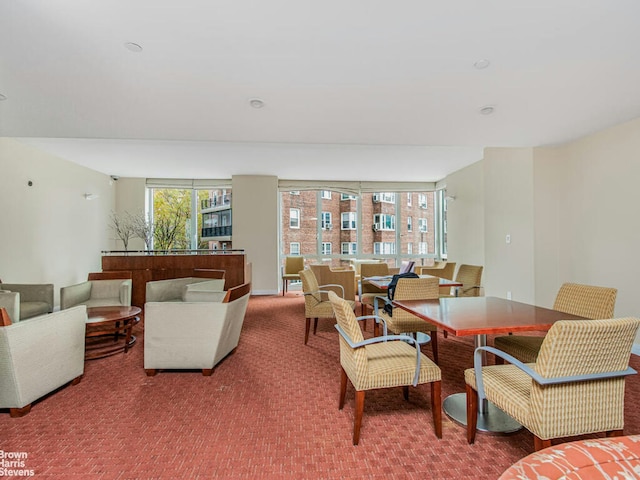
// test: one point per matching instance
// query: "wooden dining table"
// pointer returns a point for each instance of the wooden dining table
(482, 316)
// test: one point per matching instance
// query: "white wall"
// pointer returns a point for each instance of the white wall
(49, 232)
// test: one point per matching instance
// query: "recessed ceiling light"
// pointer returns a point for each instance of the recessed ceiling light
(256, 103)
(488, 110)
(482, 64)
(2, 97)
(133, 47)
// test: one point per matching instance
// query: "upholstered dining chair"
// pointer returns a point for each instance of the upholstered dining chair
(441, 269)
(316, 303)
(381, 362)
(471, 278)
(366, 291)
(583, 300)
(292, 265)
(401, 321)
(572, 389)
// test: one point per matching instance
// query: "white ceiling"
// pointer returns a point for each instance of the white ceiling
(364, 86)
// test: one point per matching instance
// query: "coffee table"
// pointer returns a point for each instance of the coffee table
(109, 330)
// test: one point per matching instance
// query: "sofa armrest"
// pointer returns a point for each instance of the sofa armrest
(41, 355)
(125, 292)
(10, 301)
(74, 295)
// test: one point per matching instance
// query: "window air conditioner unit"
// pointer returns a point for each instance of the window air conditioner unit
(376, 198)
(328, 226)
(376, 227)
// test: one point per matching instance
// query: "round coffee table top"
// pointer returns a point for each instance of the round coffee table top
(111, 314)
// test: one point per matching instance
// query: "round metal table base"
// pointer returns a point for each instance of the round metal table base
(493, 420)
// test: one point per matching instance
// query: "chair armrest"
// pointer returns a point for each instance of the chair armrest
(385, 338)
(74, 294)
(125, 293)
(539, 379)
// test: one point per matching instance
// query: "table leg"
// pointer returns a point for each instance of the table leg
(490, 418)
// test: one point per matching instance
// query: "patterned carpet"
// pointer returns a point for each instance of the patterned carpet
(269, 411)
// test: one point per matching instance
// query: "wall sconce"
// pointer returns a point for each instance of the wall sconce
(91, 196)
(450, 198)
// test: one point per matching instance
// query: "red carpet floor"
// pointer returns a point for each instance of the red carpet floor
(269, 411)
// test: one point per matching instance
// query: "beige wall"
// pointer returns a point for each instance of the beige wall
(508, 179)
(571, 210)
(50, 233)
(465, 215)
(255, 228)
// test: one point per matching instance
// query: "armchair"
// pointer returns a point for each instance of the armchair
(292, 265)
(471, 278)
(402, 321)
(193, 334)
(381, 362)
(576, 387)
(96, 293)
(441, 269)
(23, 301)
(39, 356)
(315, 304)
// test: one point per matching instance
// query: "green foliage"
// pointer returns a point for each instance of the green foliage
(171, 211)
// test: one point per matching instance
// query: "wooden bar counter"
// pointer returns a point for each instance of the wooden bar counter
(145, 267)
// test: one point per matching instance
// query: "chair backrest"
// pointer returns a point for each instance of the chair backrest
(325, 275)
(470, 276)
(293, 264)
(448, 270)
(237, 292)
(354, 361)
(414, 289)
(578, 347)
(586, 300)
(374, 270)
(310, 285)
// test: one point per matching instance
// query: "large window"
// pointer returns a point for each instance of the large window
(372, 225)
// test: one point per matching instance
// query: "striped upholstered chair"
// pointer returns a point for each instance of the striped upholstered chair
(316, 303)
(381, 362)
(572, 389)
(368, 292)
(583, 300)
(402, 321)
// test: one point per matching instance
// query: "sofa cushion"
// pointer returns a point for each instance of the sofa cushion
(33, 309)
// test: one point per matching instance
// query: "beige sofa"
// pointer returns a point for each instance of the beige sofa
(96, 293)
(24, 301)
(195, 334)
(39, 356)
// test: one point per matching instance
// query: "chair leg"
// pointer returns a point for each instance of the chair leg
(343, 388)
(150, 372)
(284, 287)
(76, 380)
(445, 334)
(436, 406)
(472, 414)
(357, 422)
(434, 346)
(19, 412)
(307, 327)
(207, 372)
(539, 444)
(315, 325)
(499, 360)
(614, 433)
(405, 392)
(376, 329)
